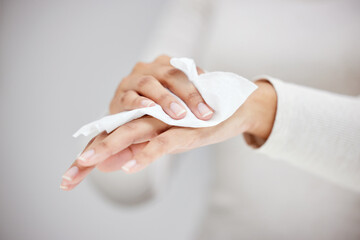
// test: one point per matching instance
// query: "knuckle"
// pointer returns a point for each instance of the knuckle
(161, 142)
(172, 72)
(126, 99)
(130, 126)
(145, 80)
(105, 147)
(123, 98)
(161, 57)
(193, 96)
(165, 97)
(139, 65)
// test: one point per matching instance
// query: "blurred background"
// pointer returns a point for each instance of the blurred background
(60, 62)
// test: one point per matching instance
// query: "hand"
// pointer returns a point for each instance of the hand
(151, 82)
(133, 146)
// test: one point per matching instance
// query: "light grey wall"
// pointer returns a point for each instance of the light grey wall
(59, 64)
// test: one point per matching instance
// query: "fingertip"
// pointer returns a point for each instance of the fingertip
(65, 185)
(68, 185)
(132, 166)
(85, 158)
(64, 188)
(181, 114)
(177, 111)
(208, 115)
(205, 112)
(67, 188)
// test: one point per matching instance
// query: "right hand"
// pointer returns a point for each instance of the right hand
(151, 83)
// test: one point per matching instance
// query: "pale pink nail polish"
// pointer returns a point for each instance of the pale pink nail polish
(86, 155)
(147, 103)
(71, 173)
(129, 165)
(62, 187)
(204, 110)
(177, 109)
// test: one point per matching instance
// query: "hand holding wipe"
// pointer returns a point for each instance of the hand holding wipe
(225, 92)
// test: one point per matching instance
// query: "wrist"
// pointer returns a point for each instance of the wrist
(260, 111)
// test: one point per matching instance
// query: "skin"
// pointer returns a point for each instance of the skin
(134, 145)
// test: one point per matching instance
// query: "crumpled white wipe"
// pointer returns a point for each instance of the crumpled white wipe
(225, 92)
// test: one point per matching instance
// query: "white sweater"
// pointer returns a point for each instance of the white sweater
(318, 131)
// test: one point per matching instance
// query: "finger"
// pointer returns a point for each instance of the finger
(76, 173)
(167, 142)
(136, 131)
(178, 83)
(115, 162)
(132, 100)
(129, 100)
(150, 87)
(69, 186)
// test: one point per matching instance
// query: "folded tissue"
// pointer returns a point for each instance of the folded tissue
(225, 92)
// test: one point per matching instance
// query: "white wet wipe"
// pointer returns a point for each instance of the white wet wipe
(224, 92)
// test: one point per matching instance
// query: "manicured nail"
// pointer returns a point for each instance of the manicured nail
(204, 110)
(86, 155)
(62, 187)
(177, 109)
(129, 165)
(71, 173)
(147, 103)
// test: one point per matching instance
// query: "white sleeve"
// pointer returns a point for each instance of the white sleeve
(318, 131)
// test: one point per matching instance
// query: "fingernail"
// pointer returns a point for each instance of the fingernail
(177, 109)
(204, 110)
(71, 173)
(86, 155)
(62, 187)
(147, 103)
(129, 165)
